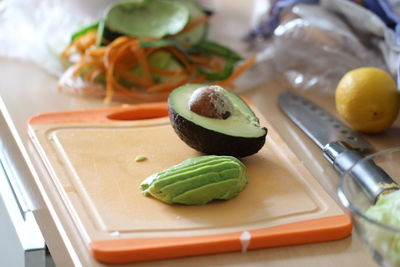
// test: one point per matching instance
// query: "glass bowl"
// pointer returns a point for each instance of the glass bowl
(378, 226)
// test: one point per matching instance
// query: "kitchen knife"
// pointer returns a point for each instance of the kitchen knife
(340, 144)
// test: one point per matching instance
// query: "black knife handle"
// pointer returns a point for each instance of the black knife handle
(370, 177)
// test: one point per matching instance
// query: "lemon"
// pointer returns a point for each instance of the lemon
(367, 99)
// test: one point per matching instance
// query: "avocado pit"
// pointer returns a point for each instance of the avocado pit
(209, 101)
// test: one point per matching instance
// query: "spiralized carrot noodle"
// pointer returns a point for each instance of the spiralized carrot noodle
(143, 64)
(193, 24)
(80, 44)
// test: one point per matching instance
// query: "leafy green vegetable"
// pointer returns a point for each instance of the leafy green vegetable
(216, 49)
(198, 33)
(141, 18)
(84, 30)
(387, 211)
(163, 61)
(218, 76)
(105, 35)
(157, 43)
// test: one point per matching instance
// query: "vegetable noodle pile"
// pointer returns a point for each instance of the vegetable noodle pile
(140, 68)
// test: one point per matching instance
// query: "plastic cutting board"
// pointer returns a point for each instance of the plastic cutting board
(90, 156)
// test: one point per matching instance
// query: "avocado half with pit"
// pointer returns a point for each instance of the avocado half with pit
(215, 121)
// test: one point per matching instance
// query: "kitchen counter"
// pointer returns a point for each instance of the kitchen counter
(26, 90)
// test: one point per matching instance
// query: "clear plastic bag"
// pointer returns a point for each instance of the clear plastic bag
(37, 30)
(314, 45)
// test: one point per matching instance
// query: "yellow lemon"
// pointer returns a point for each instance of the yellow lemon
(367, 99)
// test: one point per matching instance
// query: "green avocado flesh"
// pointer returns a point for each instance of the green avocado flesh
(234, 131)
(197, 181)
(243, 122)
(141, 18)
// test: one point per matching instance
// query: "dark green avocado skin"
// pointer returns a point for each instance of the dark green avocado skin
(211, 142)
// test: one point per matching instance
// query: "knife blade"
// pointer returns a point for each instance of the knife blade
(341, 145)
(321, 126)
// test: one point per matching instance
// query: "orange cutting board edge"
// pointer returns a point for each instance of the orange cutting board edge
(124, 250)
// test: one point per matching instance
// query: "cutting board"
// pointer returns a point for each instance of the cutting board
(90, 157)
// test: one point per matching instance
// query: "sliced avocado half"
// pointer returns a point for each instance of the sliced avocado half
(215, 121)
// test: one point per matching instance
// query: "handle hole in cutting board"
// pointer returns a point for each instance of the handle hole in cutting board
(142, 113)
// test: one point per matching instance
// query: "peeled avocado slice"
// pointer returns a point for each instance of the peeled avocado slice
(237, 132)
(140, 18)
(197, 181)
